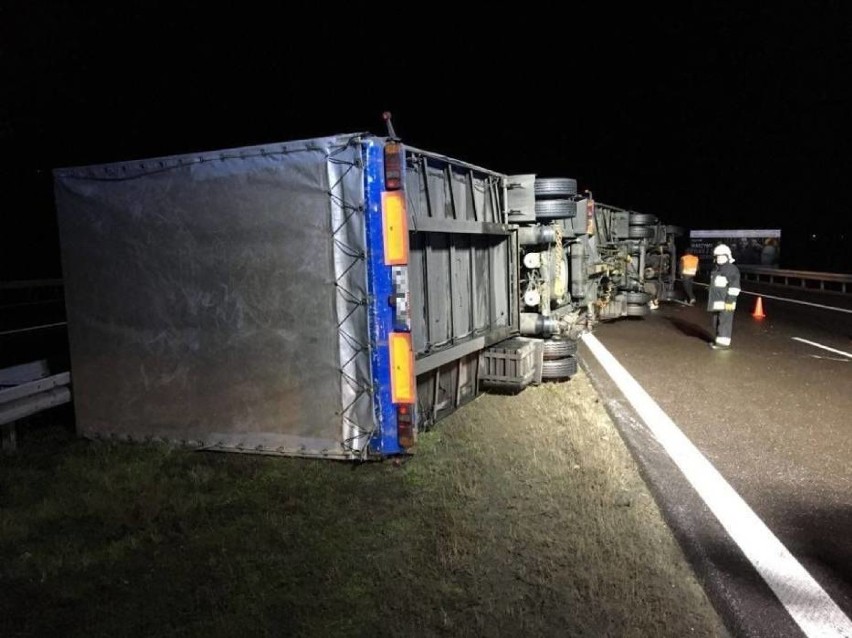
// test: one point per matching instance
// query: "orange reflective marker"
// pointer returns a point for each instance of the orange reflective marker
(402, 367)
(395, 228)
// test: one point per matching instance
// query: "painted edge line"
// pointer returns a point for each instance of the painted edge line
(819, 345)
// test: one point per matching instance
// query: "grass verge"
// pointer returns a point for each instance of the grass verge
(519, 515)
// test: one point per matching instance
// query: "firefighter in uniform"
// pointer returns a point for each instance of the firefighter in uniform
(722, 296)
(688, 270)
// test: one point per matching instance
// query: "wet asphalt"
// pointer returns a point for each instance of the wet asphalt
(773, 415)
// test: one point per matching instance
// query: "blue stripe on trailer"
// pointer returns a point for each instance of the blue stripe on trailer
(380, 289)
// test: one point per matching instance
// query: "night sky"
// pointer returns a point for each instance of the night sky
(708, 116)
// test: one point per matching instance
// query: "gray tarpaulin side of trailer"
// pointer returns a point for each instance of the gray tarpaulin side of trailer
(216, 299)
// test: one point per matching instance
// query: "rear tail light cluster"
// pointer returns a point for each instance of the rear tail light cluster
(393, 166)
(405, 425)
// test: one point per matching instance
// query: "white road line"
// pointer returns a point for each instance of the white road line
(819, 345)
(808, 604)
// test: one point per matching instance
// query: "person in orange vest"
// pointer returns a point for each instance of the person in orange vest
(688, 270)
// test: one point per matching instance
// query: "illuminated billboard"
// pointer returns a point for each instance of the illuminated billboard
(759, 247)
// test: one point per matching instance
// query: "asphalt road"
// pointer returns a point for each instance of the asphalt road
(773, 415)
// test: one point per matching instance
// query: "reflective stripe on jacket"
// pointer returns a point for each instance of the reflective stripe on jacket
(689, 265)
(724, 287)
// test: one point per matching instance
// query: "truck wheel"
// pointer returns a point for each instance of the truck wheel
(637, 297)
(638, 232)
(555, 209)
(559, 368)
(558, 348)
(642, 219)
(550, 187)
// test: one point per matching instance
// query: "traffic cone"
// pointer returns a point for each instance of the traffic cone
(758, 309)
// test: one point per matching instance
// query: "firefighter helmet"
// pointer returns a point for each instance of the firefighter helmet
(722, 249)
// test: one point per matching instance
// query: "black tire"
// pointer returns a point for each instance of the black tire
(677, 231)
(559, 348)
(637, 310)
(642, 219)
(559, 368)
(547, 209)
(555, 187)
(638, 232)
(637, 297)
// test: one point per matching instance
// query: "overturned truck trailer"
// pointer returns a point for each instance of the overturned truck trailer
(271, 299)
(329, 297)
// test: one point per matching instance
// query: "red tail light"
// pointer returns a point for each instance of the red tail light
(393, 166)
(405, 425)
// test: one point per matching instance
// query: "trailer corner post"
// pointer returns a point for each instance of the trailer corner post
(391, 357)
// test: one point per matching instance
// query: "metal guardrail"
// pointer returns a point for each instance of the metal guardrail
(25, 390)
(31, 283)
(809, 280)
(35, 292)
(30, 305)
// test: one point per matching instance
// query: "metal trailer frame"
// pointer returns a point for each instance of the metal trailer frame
(463, 275)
